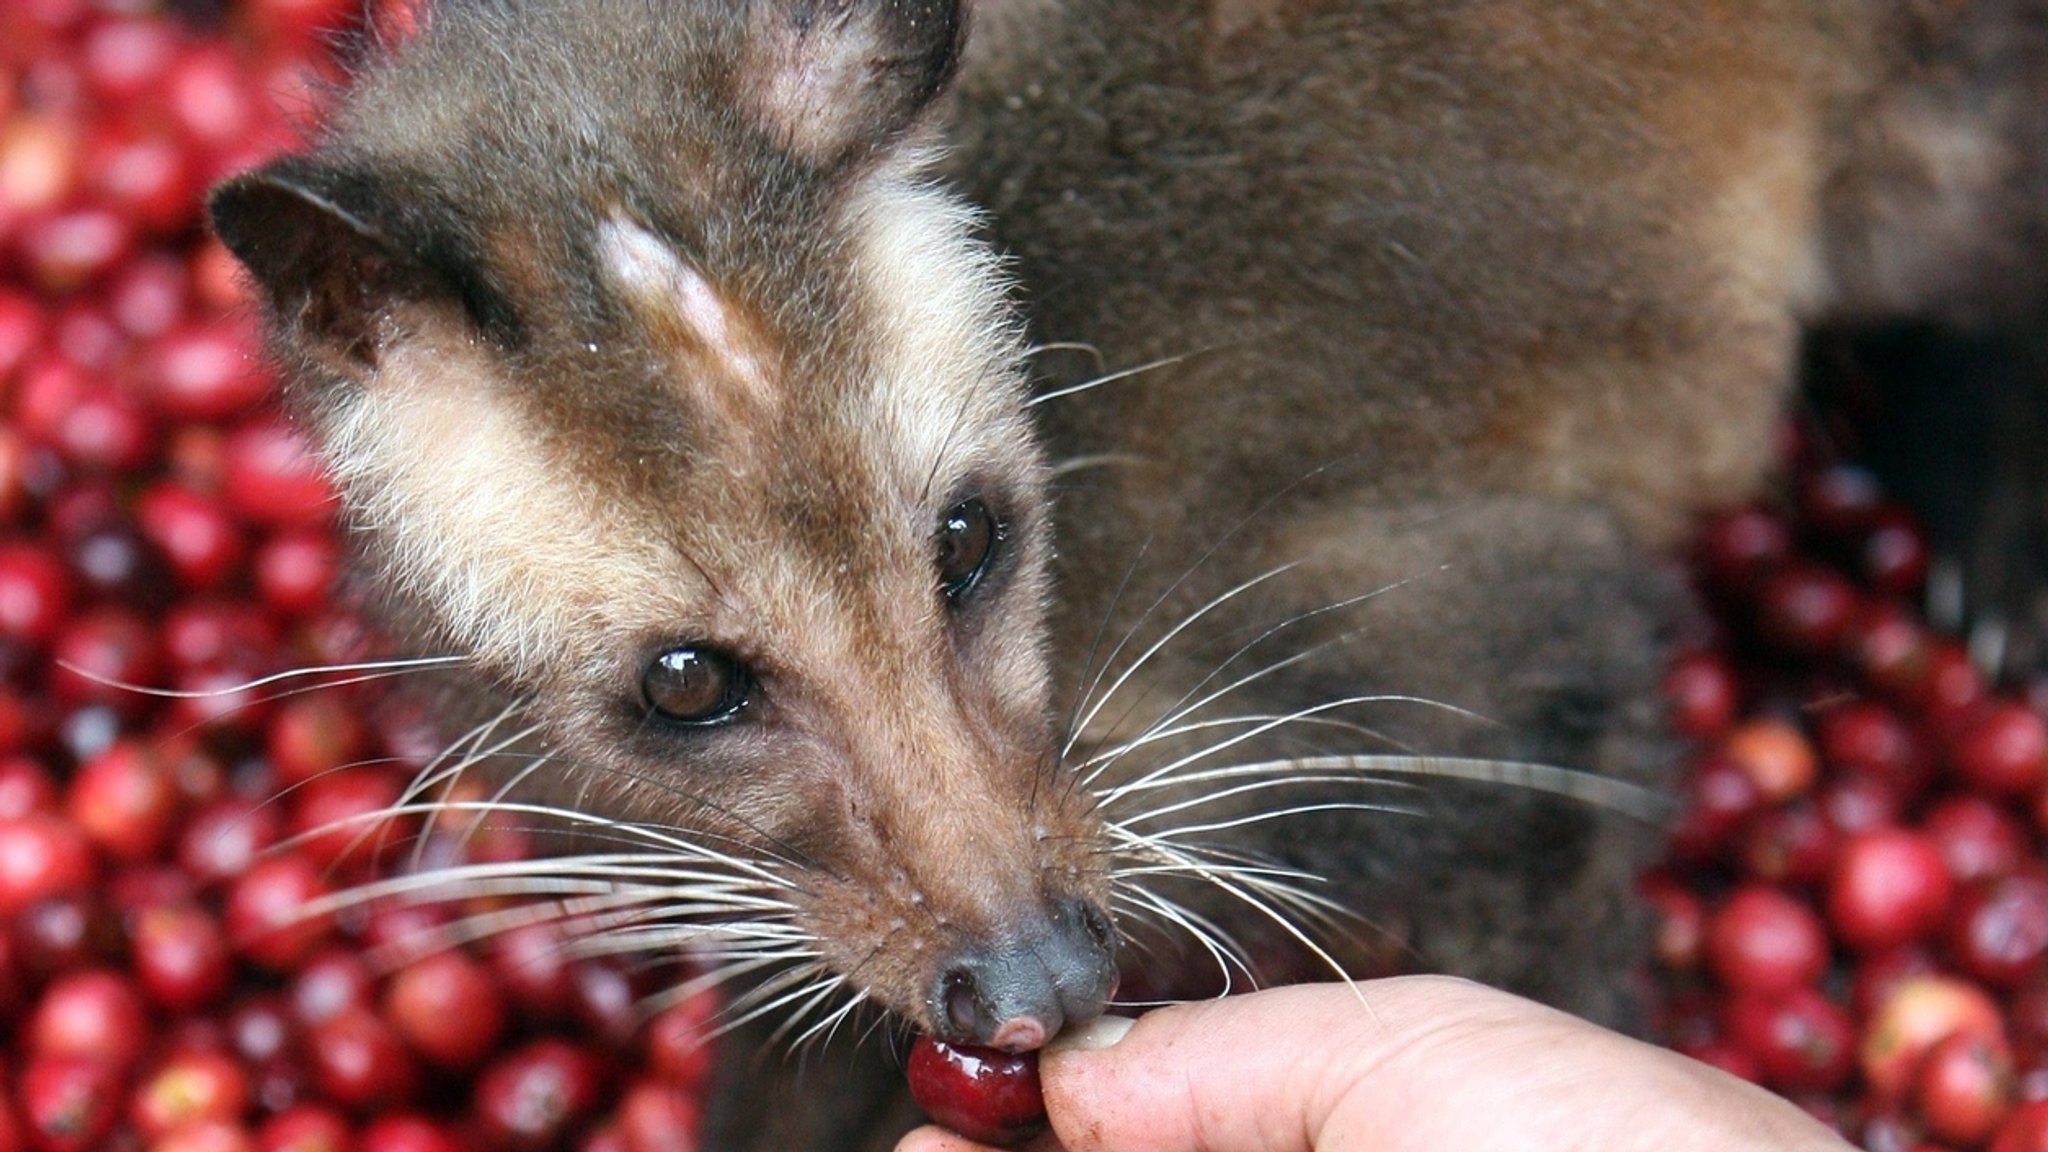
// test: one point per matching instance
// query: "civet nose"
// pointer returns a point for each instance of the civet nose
(1016, 992)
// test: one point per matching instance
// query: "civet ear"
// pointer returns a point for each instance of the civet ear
(331, 248)
(833, 80)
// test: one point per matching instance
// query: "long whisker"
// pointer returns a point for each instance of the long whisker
(1222, 948)
(1088, 717)
(1605, 792)
(1113, 377)
(380, 667)
(1166, 770)
(1182, 707)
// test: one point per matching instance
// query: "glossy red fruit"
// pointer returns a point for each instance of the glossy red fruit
(181, 956)
(1894, 556)
(1920, 1012)
(35, 593)
(1841, 502)
(1965, 1089)
(314, 734)
(25, 786)
(1738, 548)
(1998, 930)
(985, 1095)
(1889, 886)
(603, 1001)
(1795, 844)
(654, 1117)
(104, 655)
(148, 295)
(295, 570)
(123, 57)
(68, 1103)
(1806, 609)
(357, 1061)
(1863, 737)
(532, 962)
(143, 174)
(68, 249)
(260, 1028)
(1876, 976)
(305, 1128)
(205, 1136)
(189, 1087)
(676, 1048)
(1775, 755)
(336, 980)
(222, 840)
(341, 819)
(406, 932)
(193, 532)
(447, 1007)
(1715, 797)
(403, 1132)
(125, 800)
(1801, 1041)
(66, 932)
(1701, 694)
(41, 855)
(266, 915)
(2000, 749)
(1856, 803)
(207, 372)
(1890, 649)
(531, 1097)
(273, 476)
(1763, 941)
(94, 1015)
(1978, 839)
(1953, 686)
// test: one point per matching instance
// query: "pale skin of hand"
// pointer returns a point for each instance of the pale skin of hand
(1416, 1064)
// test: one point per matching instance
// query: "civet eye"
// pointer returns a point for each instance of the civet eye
(967, 539)
(698, 686)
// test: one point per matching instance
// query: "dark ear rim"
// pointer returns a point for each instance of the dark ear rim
(252, 214)
(326, 240)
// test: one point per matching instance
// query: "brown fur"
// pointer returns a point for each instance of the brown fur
(1461, 309)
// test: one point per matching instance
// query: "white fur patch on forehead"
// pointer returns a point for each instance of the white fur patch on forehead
(670, 293)
(948, 348)
(473, 513)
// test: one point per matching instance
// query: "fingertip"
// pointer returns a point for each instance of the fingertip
(932, 1138)
(1094, 1036)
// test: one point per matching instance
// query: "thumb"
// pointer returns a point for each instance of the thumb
(1401, 1065)
(1261, 1073)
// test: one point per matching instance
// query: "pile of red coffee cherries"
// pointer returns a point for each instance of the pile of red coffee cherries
(161, 987)
(1854, 911)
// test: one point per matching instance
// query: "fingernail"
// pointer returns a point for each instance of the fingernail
(1093, 1036)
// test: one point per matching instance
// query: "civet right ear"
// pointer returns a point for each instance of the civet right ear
(831, 80)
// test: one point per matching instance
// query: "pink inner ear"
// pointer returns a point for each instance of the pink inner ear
(811, 90)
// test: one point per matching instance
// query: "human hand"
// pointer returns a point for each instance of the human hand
(1416, 1064)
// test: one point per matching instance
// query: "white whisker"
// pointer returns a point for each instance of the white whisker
(382, 668)
(1111, 378)
(1187, 622)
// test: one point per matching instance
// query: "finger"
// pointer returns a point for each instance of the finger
(1398, 1066)
(1228, 1076)
(932, 1138)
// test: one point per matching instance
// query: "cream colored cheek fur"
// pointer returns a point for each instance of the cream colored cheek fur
(466, 509)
